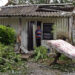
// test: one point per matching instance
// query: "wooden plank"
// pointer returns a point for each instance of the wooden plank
(70, 26)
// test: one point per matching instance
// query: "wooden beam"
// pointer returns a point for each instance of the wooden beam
(70, 26)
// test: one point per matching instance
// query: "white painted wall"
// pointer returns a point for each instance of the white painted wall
(61, 25)
(14, 22)
(73, 30)
(60, 22)
(24, 33)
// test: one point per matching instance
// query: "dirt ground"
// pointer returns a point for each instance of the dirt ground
(38, 69)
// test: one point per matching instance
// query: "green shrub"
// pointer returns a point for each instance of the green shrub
(64, 58)
(74, 3)
(40, 52)
(7, 35)
(9, 60)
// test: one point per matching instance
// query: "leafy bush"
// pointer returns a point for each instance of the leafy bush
(7, 35)
(9, 60)
(66, 67)
(64, 58)
(61, 34)
(40, 52)
(74, 3)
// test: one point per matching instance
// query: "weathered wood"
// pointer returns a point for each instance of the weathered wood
(70, 26)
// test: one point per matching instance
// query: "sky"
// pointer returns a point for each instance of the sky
(3, 2)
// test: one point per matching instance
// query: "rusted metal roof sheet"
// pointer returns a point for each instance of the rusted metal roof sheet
(34, 10)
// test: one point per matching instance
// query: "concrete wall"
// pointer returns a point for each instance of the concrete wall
(14, 23)
(61, 24)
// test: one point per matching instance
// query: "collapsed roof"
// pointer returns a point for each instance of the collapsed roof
(36, 10)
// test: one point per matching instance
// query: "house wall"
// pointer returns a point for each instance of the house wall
(73, 31)
(61, 24)
(14, 22)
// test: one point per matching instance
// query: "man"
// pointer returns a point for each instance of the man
(38, 36)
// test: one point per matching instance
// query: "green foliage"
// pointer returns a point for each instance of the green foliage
(31, 1)
(67, 67)
(54, 28)
(9, 60)
(74, 3)
(61, 34)
(40, 1)
(62, 1)
(7, 35)
(63, 57)
(40, 53)
(65, 64)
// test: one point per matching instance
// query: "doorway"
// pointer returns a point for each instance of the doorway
(32, 26)
(30, 35)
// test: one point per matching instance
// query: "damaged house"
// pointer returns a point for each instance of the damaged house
(25, 18)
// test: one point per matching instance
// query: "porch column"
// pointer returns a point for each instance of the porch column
(20, 27)
(34, 40)
(70, 26)
(19, 31)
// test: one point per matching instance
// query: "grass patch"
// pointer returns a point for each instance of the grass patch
(64, 67)
(64, 64)
(11, 62)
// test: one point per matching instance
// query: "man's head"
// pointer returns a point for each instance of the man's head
(38, 27)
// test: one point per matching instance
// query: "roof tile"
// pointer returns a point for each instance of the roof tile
(34, 10)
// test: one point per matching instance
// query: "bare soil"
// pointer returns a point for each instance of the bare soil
(35, 68)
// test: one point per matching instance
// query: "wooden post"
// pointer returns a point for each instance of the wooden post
(34, 29)
(73, 32)
(70, 26)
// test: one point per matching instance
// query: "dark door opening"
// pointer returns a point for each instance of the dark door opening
(38, 33)
(30, 35)
(39, 23)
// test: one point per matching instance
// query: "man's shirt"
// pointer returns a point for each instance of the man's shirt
(38, 34)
